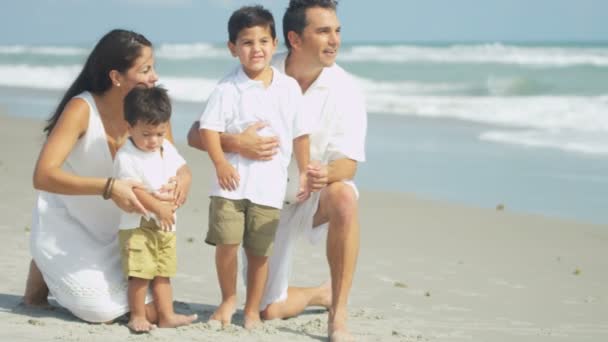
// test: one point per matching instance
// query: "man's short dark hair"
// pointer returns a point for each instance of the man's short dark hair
(148, 105)
(294, 18)
(250, 16)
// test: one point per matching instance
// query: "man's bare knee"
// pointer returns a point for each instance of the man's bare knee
(341, 201)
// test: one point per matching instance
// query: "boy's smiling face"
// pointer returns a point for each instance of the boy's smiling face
(148, 137)
(254, 47)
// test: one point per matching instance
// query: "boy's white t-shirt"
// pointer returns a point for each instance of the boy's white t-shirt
(235, 104)
(151, 168)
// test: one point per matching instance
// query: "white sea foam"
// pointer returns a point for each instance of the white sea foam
(549, 56)
(572, 123)
(482, 53)
(43, 50)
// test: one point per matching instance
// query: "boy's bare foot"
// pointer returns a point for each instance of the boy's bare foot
(140, 324)
(224, 312)
(252, 322)
(176, 320)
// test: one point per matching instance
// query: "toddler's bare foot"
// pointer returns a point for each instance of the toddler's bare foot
(224, 312)
(140, 324)
(175, 320)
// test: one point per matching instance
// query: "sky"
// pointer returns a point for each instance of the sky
(64, 22)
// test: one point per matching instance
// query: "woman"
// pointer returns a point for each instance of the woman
(74, 238)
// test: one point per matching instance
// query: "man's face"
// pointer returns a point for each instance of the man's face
(320, 38)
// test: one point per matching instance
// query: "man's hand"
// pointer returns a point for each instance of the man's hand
(256, 147)
(317, 176)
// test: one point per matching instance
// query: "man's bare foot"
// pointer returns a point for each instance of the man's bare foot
(323, 297)
(336, 328)
(175, 320)
(140, 324)
(252, 322)
(341, 336)
(224, 312)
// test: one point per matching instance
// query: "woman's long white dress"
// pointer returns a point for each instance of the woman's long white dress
(74, 239)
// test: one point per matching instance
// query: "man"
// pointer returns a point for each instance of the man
(334, 106)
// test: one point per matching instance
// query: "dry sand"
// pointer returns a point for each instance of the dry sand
(427, 271)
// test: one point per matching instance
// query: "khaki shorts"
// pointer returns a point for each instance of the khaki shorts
(147, 251)
(235, 221)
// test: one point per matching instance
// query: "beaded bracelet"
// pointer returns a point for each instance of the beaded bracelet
(107, 190)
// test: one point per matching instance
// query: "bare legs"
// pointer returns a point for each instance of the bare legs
(338, 206)
(226, 266)
(143, 316)
(36, 292)
(342, 252)
(257, 272)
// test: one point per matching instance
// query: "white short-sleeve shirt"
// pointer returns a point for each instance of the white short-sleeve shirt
(153, 169)
(235, 104)
(334, 107)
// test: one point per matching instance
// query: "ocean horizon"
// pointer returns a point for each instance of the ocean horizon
(521, 125)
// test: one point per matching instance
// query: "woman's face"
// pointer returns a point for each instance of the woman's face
(142, 73)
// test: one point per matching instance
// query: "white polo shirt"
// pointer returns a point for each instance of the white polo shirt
(334, 107)
(235, 104)
(151, 168)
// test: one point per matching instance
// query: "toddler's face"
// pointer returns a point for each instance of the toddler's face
(148, 137)
(254, 47)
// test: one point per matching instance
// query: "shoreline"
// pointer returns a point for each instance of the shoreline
(428, 270)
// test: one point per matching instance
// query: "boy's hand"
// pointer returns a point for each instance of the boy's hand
(165, 215)
(304, 190)
(227, 176)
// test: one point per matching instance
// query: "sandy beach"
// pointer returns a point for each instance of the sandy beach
(427, 270)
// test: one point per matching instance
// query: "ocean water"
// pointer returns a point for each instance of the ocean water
(522, 125)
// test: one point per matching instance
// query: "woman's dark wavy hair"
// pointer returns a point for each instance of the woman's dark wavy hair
(117, 50)
(294, 18)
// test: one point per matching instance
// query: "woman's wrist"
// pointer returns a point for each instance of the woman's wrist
(107, 189)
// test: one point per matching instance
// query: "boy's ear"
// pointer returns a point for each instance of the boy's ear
(232, 48)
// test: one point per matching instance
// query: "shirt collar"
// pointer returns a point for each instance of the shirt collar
(243, 82)
(322, 81)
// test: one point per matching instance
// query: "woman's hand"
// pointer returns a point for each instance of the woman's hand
(124, 197)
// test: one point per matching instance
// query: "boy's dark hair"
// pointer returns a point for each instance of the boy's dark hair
(148, 105)
(250, 16)
(294, 18)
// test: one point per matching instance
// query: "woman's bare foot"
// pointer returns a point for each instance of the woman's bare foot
(140, 325)
(175, 320)
(224, 312)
